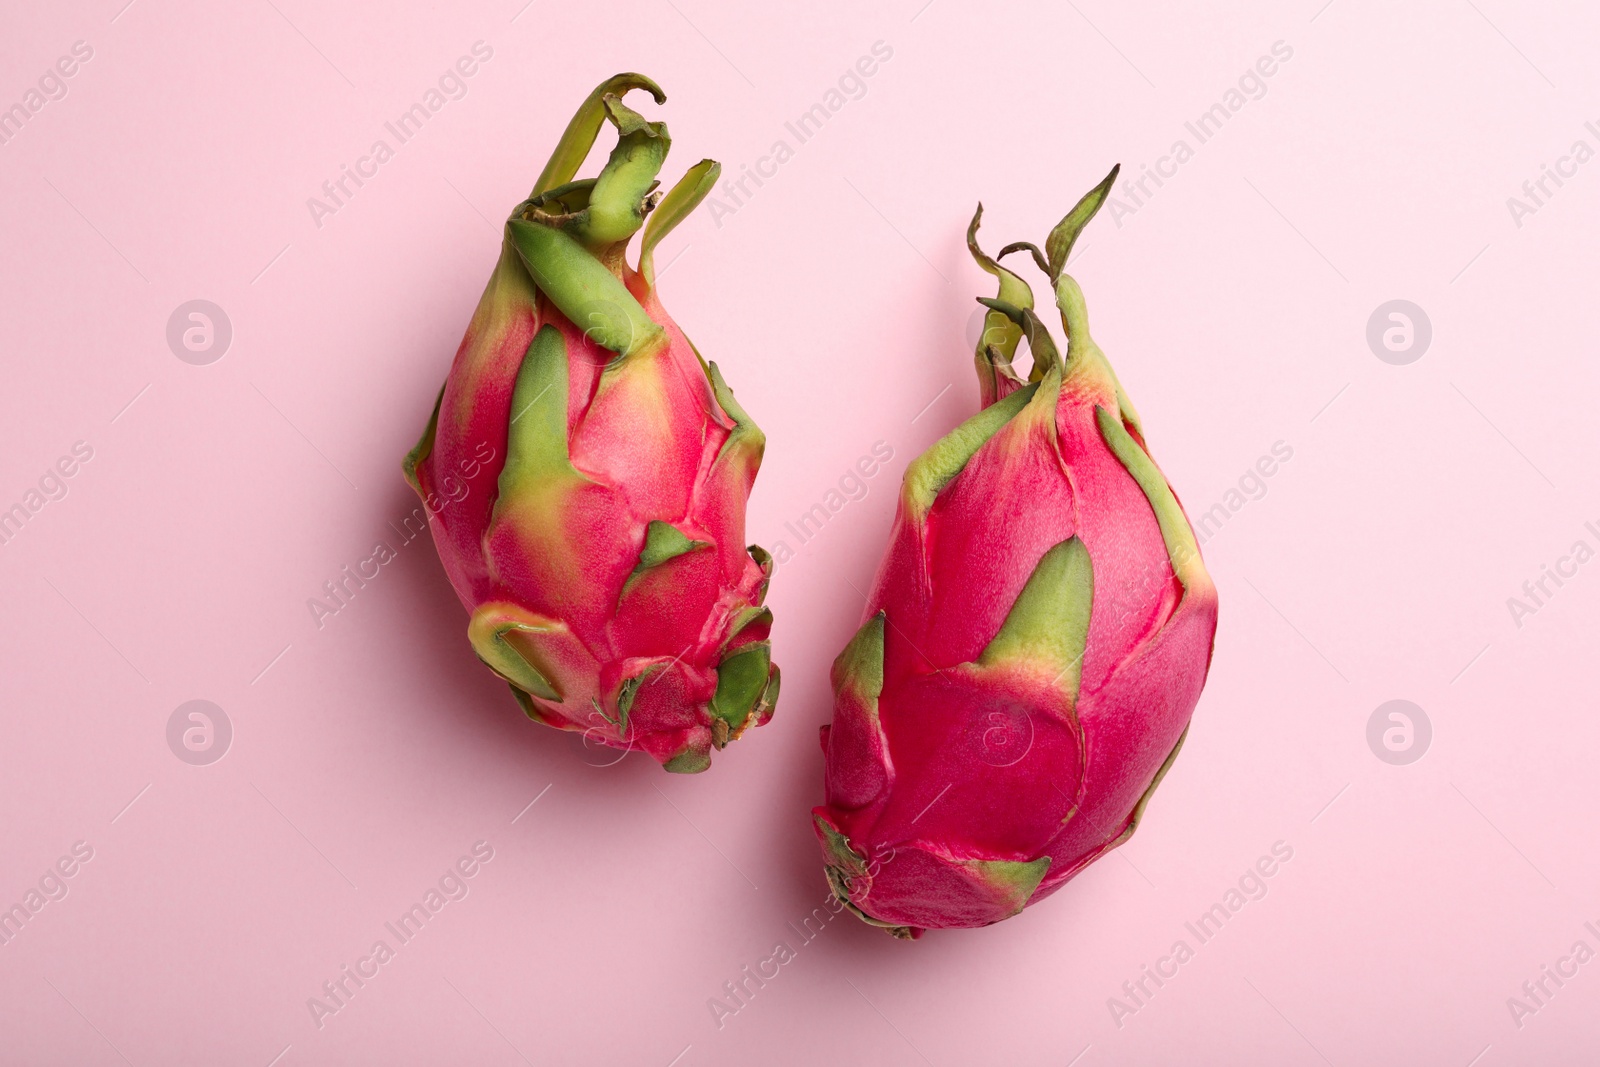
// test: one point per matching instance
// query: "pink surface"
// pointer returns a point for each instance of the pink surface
(1407, 904)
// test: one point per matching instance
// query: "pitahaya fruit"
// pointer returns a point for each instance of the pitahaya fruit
(1034, 645)
(586, 472)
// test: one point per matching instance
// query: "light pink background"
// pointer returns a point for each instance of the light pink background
(371, 753)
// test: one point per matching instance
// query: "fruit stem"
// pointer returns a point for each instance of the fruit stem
(580, 134)
(616, 203)
(1074, 315)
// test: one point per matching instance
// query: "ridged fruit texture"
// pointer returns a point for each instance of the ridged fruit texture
(1034, 645)
(586, 472)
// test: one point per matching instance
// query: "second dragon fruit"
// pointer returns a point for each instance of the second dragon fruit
(1035, 643)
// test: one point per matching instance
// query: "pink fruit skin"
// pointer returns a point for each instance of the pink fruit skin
(650, 444)
(997, 764)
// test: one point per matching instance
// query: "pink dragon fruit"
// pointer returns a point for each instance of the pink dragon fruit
(1035, 643)
(586, 472)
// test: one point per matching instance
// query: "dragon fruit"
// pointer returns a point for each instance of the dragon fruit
(1034, 645)
(586, 472)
